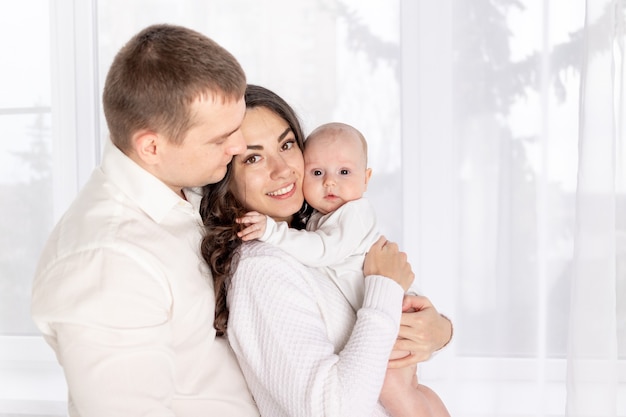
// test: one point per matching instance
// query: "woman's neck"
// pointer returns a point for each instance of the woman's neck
(283, 219)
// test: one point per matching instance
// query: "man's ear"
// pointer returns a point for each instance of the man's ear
(145, 144)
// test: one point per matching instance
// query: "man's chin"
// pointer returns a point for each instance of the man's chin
(218, 175)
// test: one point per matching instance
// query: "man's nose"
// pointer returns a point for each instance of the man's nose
(236, 143)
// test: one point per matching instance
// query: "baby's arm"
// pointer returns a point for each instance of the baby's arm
(257, 224)
(351, 231)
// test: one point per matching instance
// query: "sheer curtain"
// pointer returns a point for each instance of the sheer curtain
(496, 132)
(598, 297)
(513, 120)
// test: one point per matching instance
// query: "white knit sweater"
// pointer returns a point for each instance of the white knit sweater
(303, 350)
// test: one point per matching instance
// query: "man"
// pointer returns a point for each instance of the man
(121, 293)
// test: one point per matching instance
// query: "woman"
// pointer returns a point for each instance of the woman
(301, 347)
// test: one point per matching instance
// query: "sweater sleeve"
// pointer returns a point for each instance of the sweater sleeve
(349, 230)
(278, 330)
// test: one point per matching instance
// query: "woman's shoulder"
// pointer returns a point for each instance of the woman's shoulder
(257, 248)
(257, 253)
(263, 264)
(264, 271)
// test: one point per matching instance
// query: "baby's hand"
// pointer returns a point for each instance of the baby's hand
(256, 222)
(384, 258)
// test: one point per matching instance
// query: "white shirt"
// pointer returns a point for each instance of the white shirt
(335, 242)
(303, 349)
(124, 298)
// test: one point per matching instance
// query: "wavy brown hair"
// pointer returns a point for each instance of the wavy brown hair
(219, 208)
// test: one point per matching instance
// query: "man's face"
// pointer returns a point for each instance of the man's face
(207, 148)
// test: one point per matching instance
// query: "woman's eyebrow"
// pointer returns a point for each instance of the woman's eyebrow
(282, 135)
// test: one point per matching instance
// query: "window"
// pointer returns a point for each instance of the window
(25, 149)
(42, 167)
(471, 113)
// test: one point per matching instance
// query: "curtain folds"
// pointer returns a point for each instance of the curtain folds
(592, 356)
(497, 134)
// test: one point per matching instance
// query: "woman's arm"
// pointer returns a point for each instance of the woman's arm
(299, 347)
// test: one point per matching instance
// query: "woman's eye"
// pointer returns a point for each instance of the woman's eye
(251, 159)
(287, 145)
(344, 172)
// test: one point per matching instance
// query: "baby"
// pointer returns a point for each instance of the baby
(338, 235)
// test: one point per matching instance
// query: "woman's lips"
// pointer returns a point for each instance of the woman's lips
(284, 192)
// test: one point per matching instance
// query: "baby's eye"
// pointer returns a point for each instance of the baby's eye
(317, 172)
(252, 159)
(344, 172)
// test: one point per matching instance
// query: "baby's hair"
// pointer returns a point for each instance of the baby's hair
(337, 128)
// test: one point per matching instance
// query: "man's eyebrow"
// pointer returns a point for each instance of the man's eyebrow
(230, 133)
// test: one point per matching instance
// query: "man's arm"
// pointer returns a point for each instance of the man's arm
(111, 334)
(423, 331)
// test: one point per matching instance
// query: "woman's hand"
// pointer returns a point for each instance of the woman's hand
(384, 258)
(423, 331)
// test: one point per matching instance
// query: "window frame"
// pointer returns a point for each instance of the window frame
(27, 361)
(31, 380)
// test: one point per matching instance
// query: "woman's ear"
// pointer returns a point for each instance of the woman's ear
(145, 144)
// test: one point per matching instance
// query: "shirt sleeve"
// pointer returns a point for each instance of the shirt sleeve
(280, 336)
(349, 230)
(111, 336)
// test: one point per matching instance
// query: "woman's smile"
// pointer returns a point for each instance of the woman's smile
(287, 191)
(267, 177)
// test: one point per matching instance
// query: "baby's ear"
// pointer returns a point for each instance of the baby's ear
(368, 175)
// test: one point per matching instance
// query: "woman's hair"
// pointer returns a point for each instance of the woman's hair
(219, 208)
(158, 74)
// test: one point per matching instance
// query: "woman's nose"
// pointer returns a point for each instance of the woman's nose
(279, 167)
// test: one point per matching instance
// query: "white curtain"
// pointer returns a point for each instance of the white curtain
(599, 275)
(496, 130)
(519, 216)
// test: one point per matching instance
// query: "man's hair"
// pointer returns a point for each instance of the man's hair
(158, 74)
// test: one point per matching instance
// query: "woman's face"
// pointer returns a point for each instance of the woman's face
(267, 177)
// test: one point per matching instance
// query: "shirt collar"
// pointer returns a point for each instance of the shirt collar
(194, 196)
(153, 197)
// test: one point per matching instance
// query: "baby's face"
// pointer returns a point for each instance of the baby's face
(335, 170)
